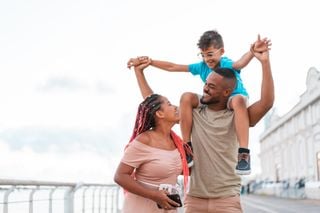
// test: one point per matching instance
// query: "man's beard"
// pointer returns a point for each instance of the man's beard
(208, 102)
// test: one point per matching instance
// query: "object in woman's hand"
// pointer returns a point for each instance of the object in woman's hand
(175, 198)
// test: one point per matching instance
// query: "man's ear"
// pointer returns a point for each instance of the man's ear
(227, 92)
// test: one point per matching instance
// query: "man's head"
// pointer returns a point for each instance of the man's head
(218, 88)
(211, 48)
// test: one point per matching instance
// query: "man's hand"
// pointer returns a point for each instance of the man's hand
(261, 56)
(262, 45)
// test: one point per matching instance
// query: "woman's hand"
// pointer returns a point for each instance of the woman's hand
(161, 198)
(137, 61)
(143, 63)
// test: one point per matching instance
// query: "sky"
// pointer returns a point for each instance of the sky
(68, 102)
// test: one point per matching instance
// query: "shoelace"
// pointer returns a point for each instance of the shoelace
(243, 156)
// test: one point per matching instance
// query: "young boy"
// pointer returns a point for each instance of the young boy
(212, 48)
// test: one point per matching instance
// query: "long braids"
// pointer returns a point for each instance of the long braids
(145, 116)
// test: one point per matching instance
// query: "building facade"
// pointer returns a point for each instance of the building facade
(290, 145)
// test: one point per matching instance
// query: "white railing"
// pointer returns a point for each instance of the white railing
(17, 196)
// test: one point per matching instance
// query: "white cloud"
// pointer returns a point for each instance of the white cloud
(76, 166)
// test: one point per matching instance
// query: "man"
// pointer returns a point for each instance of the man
(214, 185)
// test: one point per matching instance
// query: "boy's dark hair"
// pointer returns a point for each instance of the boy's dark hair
(210, 38)
(225, 72)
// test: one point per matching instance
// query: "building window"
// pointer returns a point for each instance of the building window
(278, 172)
(318, 165)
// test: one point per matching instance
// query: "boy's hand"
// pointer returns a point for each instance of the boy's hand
(261, 56)
(262, 45)
(137, 61)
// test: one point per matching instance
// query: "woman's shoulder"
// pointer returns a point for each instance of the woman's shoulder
(144, 138)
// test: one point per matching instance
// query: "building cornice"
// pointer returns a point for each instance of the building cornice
(307, 98)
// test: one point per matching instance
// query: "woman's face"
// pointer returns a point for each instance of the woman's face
(169, 112)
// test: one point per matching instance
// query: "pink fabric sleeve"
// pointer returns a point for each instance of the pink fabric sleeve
(135, 154)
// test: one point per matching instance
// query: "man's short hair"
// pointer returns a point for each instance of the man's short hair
(228, 75)
(225, 72)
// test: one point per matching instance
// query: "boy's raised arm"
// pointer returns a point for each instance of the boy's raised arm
(169, 66)
(243, 61)
(260, 45)
(164, 65)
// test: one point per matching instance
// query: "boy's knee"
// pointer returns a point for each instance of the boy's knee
(237, 101)
(187, 97)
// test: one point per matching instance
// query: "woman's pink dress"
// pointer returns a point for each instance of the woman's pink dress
(154, 166)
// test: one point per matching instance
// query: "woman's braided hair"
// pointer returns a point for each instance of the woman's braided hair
(145, 119)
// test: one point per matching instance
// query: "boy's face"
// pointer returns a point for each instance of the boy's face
(212, 56)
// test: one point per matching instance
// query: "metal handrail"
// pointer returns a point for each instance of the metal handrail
(10, 186)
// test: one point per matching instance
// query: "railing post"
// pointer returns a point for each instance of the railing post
(68, 200)
(31, 199)
(117, 199)
(50, 199)
(99, 210)
(93, 195)
(84, 200)
(6, 199)
(106, 204)
(112, 199)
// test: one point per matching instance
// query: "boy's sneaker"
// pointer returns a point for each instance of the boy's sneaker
(243, 166)
(189, 153)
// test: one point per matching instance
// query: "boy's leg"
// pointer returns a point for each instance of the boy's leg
(238, 104)
(188, 101)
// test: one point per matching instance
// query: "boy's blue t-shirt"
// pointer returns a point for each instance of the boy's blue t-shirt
(203, 70)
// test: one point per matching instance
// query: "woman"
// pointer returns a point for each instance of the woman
(154, 155)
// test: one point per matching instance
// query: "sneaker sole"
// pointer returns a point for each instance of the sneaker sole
(242, 172)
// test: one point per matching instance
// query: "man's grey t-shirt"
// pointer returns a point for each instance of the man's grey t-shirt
(215, 148)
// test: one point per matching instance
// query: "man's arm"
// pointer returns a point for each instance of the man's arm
(258, 109)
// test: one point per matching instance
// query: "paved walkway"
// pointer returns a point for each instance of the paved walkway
(270, 204)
